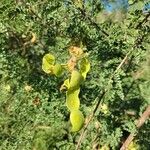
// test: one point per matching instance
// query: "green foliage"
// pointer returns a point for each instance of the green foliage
(32, 109)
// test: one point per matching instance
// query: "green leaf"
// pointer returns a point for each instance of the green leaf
(72, 99)
(40, 144)
(47, 63)
(77, 120)
(78, 3)
(84, 67)
(137, 6)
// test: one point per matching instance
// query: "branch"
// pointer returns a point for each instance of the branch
(140, 122)
(84, 14)
(134, 2)
(143, 21)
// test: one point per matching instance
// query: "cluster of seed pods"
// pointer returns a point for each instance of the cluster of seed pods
(78, 66)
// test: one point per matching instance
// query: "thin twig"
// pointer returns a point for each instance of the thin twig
(140, 122)
(134, 2)
(143, 21)
(84, 14)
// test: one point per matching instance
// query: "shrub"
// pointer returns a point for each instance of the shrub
(32, 109)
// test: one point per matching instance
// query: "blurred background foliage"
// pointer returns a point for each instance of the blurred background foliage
(33, 114)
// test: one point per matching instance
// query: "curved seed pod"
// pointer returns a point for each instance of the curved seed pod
(77, 120)
(57, 70)
(84, 67)
(65, 85)
(76, 79)
(47, 63)
(72, 99)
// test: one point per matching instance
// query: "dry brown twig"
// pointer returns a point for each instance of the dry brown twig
(140, 122)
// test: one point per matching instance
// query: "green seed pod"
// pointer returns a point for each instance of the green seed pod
(77, 120)
(76, 79)
(47, 63)
(57, 70)
(84, 67)
(72, 100)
